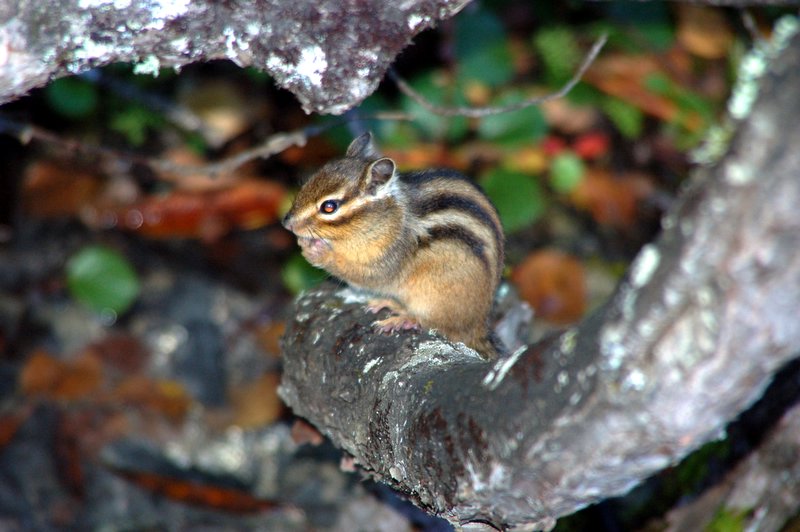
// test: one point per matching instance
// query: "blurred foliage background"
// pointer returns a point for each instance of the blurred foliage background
(580, 184)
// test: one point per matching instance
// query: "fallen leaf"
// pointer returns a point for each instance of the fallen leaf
(554, 284)
(192, 491)
(432, 155)
(70, 380)
(478, 94)
(611, 200)
(208, 215)
(80, 378)
(314, 153)
(591, 145)
(123, 352)
(527, 159)
(269, 335)
(257, 404)
(626, 77)
(57, 188)
(704, 31)
(193, 182)
(67, 448)
(569, 118)
(39, 374)
(169, 398)
(553, 145)
(10, 423)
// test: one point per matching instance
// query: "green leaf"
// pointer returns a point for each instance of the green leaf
(102, 279)
(134, 122)
(437, 89)
(299, 275)
(481, 46)
(524, 126)
(628, 118)
(559, 51)
(659, 84)
(71, 97)
(492, 66)
(518, 197)
(566, 171)
(728, 520)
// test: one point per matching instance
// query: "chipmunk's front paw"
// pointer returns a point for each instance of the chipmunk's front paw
(392, 324)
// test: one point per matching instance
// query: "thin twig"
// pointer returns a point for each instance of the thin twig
(750, 24)
(271, 146)
(28, 132)
(479, 112)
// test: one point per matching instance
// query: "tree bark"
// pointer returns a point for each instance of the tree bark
(330, 54)
(692, 336)
(763, 491)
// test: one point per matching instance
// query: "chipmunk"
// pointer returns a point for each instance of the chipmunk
(428, 244)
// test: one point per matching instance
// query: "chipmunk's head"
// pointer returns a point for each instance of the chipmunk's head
(345, 209)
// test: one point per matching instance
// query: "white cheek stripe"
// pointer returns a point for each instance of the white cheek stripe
(307, 213)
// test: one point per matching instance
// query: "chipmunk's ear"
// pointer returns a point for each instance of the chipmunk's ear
(363, 148)
(379, 174)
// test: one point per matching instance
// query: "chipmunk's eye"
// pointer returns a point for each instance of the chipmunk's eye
(329, 206)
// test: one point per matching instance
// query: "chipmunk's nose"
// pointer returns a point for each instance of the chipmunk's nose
(287, 222)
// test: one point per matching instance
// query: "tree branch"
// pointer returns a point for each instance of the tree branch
(763, 490)
(693, 335)
(319, 50)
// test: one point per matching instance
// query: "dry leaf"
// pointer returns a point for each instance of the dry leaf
(80, 378)
(39, 374)
(313, 154)
(45, 375)
(269, 335)
(196, 182)
(528, 160)
(426, 156)
(569, 118)
(704, 31)
(611, 200)
(122, 352)
(553, 145)
(10, 423)
(591, 145)
(169, 398)
(554, 284)
(192, 491)
(57, 188)
(257, 403)
(625, 77)
(247, 204)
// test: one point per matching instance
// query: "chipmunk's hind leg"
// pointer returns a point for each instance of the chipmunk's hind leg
(400, 320)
